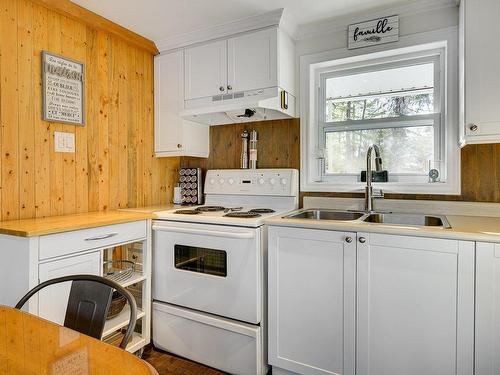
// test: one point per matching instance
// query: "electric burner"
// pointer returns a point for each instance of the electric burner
(261, 211)
(210, 208)
(244, 215)
(187, 212)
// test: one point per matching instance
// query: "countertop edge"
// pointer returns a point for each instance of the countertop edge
(50, 225)
(455, 234)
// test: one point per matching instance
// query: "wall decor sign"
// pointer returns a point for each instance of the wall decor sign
(369, 33)
(63, 89)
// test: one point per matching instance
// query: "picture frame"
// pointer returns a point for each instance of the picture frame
(63, 89)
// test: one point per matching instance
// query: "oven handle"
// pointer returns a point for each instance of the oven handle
(247, 235)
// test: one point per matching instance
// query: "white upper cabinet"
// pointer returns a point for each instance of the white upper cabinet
(175, 136)
(415, 306)
(206, 70)
(252, 60)
(479, 30)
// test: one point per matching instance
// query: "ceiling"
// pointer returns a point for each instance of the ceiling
(161, 19)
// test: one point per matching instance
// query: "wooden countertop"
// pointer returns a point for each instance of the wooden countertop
(31, 345)
(66, 223)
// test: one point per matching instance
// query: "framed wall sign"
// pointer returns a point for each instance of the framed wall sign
(369, 33)
(63, 89)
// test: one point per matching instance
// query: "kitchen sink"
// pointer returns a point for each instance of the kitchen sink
(375, 217)
(408, 219)
(326, 215)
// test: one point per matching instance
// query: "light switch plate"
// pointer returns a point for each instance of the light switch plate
(64, 142)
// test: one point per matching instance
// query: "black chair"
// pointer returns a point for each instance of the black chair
(88, 304)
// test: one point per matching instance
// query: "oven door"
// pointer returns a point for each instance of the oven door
(212, 268)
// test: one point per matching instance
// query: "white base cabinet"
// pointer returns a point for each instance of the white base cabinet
(312, 300)
(359, 303)
(32, 260)
(415, 306)
(487, 309)
(52, 301)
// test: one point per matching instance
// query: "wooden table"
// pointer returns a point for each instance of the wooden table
(33, 346)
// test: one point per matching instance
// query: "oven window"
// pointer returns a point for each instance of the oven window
(202, 260)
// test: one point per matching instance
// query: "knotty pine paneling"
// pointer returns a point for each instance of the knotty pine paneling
(113, 165)
(279, 147)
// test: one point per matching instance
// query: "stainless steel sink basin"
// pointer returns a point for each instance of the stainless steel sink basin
(408, 219)
(326, 215)
(375, 217)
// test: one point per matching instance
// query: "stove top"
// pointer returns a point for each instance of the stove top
(249, 216)
(210, 208)
(241, 197)
(243, 214)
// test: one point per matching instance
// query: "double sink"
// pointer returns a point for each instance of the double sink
(373, 217)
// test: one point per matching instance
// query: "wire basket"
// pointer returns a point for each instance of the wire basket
(119, 270)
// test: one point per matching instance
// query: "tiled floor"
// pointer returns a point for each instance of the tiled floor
(169, 364)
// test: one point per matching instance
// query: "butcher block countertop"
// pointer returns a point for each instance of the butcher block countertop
(66, 223)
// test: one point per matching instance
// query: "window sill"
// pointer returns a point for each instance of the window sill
(388, 187)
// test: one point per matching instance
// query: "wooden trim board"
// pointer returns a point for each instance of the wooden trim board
(96, 21)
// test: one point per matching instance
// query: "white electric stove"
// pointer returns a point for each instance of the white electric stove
(209, 269)
(241, 197)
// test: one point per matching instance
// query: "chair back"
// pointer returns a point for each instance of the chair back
(88, 304)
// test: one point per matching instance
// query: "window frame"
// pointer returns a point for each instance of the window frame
(429, 56)
(439, 46)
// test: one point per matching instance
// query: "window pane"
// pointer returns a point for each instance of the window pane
(380, 107)
(392, 92)
(404, 150)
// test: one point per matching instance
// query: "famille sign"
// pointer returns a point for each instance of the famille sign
(369, 33)
(63, 89)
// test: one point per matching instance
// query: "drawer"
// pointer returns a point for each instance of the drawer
(228, 345)
(59, 244)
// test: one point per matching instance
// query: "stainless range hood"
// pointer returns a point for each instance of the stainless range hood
(247, 106)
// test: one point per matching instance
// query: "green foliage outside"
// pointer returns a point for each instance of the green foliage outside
(404, 149)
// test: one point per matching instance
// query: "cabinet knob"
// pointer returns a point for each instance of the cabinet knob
(229, 87)
(221, 88)
(362, 239)
(348, 239)
(179, 145)
(473, 127)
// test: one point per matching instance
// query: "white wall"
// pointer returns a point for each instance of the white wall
(408, 24)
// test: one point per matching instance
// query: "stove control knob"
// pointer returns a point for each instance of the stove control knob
(261, 181)
(230, 181)
(284, 181)
(212, 181)
(272, 181)
(221, 181)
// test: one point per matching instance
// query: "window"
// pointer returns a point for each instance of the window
(394, 105)
(404, 100)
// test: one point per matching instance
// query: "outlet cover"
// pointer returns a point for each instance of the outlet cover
(64, 142)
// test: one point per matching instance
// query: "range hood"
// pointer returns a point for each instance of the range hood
(272, 103)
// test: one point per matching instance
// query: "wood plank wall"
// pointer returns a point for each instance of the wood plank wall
(279, 147)
(113, 165)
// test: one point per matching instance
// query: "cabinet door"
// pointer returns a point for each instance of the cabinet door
(252, 60)
(52, 301)
(312, 300)
(206, 70)
(175, 136)
(169, 100)
(487, 309)
(482, 76)
(415, 306)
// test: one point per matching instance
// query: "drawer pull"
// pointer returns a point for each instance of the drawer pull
(103, 237)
